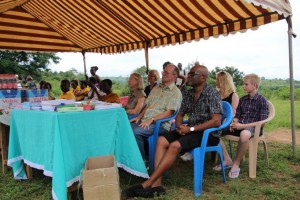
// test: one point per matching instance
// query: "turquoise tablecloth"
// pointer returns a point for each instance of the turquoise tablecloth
(60, 143)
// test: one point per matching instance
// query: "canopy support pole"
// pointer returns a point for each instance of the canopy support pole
(147, 56)
(290, 35)
(84, 63)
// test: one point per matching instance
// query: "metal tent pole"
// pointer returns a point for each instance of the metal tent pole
(290, 35)
(147, 56)
(84, 64)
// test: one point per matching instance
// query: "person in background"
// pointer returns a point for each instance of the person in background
(251, 108)
(110, 97)
(75, 88)
(41, 84)
(84, 90)
(181, 80)
(65, 88)
(30, 84)
(93, 71)
(203, 105)
(166, 63)
(95, 93)
(162, 102)
(137, 95)
(48, 86)
(153, 78)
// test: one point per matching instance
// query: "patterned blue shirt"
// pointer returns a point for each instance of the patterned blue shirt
(208, 103)
(252, 110)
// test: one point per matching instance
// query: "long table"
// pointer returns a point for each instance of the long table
(60, 143)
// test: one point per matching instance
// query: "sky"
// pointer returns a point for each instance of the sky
(264, 51)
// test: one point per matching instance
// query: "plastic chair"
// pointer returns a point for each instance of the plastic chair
(153, 138)
(199, 152)
(253, 142)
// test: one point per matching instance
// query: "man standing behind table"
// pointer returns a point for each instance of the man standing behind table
(203, 105)
(163, 100)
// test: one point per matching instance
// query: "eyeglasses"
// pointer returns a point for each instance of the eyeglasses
(166, 72)
(192, 74)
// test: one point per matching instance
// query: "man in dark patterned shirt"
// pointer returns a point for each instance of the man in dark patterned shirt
(203, 105)
(251, 108)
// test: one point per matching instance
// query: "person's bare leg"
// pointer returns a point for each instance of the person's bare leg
(162, 146)
(163, 161)
(226, 156)
(241, 150)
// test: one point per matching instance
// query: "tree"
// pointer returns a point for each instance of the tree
(26, 63)
(142, 71)
(234, 72)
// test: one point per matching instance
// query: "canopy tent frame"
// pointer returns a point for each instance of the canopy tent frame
(108, 26)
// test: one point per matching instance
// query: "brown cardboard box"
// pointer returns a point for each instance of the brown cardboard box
(101, 179)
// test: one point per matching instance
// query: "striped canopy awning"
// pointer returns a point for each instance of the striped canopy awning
(113, 26)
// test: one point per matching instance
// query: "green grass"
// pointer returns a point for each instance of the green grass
(282, 118)
(281, 180)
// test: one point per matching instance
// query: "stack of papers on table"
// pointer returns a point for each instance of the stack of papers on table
(51, 105)
(69, 109)
(103, 105)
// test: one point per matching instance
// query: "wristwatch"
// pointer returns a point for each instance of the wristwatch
(192, 129)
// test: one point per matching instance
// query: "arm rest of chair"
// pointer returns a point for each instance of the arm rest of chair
(206, 134)
(260, 124)
(158, 122)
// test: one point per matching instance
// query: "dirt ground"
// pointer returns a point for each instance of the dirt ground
(282, 136)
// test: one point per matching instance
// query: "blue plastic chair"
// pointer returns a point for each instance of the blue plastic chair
(199, 152)
(153, 138)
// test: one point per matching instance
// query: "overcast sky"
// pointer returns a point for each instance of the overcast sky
(264, 52)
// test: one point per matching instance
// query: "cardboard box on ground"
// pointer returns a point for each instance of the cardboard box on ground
(101, 179)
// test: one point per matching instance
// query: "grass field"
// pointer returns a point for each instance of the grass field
(282, 118)
(281, 180)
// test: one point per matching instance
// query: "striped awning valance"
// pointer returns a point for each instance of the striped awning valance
(112, 26)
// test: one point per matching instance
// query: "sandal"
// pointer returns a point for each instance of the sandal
(234, 174)
(218, 167)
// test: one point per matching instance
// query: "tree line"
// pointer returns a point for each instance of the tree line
(37, 65)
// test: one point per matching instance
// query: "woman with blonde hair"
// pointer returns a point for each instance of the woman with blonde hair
(225, 85)
(153, 78)
(137, 96)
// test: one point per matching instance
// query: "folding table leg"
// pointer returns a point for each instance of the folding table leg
(4, 135)
(29, 172)
(71, 189)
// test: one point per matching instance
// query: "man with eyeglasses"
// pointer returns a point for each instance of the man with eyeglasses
(163, 100)
(203, 106)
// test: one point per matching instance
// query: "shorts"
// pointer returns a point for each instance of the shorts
(191, 140)
(238, 132)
